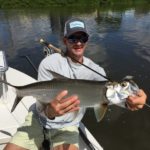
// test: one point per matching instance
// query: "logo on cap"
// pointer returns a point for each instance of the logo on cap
(77, 24)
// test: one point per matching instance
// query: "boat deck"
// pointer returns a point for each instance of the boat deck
(9, 122)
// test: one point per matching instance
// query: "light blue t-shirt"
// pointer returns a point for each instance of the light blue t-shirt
(66, 67)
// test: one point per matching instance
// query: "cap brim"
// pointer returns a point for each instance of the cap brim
(75, 31)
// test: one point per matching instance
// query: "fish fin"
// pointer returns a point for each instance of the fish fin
(100, 111)
(57, 75)
(128, 78)
(17, 100)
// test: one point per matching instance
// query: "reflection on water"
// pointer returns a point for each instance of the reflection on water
(119, 42)
(139, 26)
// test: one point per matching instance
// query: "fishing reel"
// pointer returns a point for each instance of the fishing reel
(47, 51)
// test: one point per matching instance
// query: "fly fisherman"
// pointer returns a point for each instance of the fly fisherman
(59, 120)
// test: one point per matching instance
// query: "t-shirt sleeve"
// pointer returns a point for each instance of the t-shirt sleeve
(43, 72)
(101, 71)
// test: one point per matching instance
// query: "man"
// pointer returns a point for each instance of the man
(61, 117)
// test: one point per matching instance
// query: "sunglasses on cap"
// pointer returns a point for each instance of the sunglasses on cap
(77, 38)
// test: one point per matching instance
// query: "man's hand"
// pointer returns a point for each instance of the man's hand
(137, 101)
(62, 105)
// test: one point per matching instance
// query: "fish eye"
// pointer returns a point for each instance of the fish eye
(124, 84)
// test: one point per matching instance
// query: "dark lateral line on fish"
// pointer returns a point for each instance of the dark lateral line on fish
(62, 53)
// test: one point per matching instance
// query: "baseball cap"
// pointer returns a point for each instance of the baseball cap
(74, 25)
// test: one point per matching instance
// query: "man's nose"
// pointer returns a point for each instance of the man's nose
(78, 42)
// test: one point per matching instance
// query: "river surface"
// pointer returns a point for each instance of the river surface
(119, 42)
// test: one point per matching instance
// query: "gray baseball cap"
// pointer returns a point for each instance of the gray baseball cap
(74, 25)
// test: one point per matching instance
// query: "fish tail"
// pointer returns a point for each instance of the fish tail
(17, 100)
(14, 88)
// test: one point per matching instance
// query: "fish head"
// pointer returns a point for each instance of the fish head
(118, 92)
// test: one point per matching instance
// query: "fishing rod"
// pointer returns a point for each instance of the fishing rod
(31, 63)
(63, 54)
(50, 46)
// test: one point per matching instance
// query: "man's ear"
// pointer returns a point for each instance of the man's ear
(65, 40)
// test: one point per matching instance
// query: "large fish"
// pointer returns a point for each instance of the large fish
(91, 93)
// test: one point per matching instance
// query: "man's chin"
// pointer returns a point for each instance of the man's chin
(79, 54)
(78, 51)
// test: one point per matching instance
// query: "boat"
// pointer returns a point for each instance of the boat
(9, 122)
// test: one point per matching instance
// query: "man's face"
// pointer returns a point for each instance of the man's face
(76, 44)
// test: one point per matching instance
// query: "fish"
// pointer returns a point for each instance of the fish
(96, 94)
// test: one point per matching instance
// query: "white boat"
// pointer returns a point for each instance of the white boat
(9, 122)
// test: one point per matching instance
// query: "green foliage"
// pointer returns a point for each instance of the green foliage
(23, 3)
(50, 3)
(44, 3)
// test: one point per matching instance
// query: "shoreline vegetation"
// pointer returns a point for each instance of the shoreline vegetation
(12, 4)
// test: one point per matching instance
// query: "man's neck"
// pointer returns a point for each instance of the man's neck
(75, 58)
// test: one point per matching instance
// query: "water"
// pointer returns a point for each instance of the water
(119, 42)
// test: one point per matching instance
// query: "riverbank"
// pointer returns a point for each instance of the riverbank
(50, 3)
(43, 3)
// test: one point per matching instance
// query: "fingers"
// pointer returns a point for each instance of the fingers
(137, 101)
(61, 95)
(70, 104)
(141, 93)
(68, 101)
(131, 107)
(62, 104)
